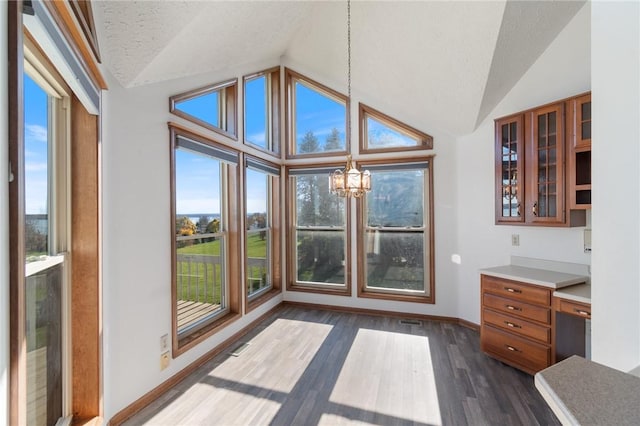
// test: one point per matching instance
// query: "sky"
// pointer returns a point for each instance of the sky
(35, 147)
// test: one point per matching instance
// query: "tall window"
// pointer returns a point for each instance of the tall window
(46, 220)
(262, 235)
(203, 176)
(318, 255)
(262, 110)
(396, 239)
(316, 118)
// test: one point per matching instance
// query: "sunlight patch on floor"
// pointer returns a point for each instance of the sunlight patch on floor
(388, 386)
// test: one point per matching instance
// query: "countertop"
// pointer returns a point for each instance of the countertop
(542, 277)
(578, 293)
(583, 392)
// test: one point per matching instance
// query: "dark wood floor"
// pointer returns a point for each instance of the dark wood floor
(307, 367)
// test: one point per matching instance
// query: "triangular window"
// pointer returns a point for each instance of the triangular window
(381, 133)
(213, 107)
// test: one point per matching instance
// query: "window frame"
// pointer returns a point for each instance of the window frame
(273, 111)
(292, 282)
(429, 238)
(291, 77)
(228, 102)
(232, 266)
(424, 141)
(251, 302)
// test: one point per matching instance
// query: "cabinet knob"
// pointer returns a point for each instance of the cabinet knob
(512, 308)
(534, 209)
(511, 348)
(512, 325)
(513, 290)
(581, 312)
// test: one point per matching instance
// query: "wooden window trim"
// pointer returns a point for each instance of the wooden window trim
(233, 263)
(231, 98)
(290, 78)
(292, 283)
(83, 12)
(363, 292)
(275, 243)
(425, 141)
(274, 115)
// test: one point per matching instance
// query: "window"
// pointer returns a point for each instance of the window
(213, 107)
(395, 251)
(262, 263)
(204, 177)
(262, 110)
(381, 133)
(318, 254)
(316, 118)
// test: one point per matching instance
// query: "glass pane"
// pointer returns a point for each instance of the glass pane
(36, 149)
(320, 121)
(204, 107)
(257, 222)
(552, 140)
(586, 111)
(381, 136)
(505, 136)
(542, 125)
(552, 206)
(395, 260)
(258, 275)
(514, 131)
(321, 256)
(552, 123)
(542, 157)
(200, 278)
(552, 174)
(255, 111)
(315, 204)
(396, 198)
(43, 333)
(586, 130)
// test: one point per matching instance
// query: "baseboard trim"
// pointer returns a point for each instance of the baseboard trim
(377, 312)
(156, 392)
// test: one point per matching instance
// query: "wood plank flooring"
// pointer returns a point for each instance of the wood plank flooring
(307, 367)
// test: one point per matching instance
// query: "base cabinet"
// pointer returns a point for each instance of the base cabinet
(517, 323)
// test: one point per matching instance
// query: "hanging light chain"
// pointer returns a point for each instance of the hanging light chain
(349, 67)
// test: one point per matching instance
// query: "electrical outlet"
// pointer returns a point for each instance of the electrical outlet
(164, 360)
(515, 239)
(164, 343)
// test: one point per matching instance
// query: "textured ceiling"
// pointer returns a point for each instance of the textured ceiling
(449, 61)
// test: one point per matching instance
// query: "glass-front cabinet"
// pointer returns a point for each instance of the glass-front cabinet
(509, 169)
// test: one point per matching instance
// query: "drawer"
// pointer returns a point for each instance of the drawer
(573, 308)
(517, 308)
(517, 325)
(512, 349)
(513, 289)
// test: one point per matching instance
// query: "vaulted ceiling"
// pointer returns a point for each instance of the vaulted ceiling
(449, 61)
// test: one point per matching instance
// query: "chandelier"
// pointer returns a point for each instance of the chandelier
(349, 182)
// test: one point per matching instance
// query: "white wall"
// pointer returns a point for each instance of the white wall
(4, 225)
(616, 184)
(561, 71)
(136, 239)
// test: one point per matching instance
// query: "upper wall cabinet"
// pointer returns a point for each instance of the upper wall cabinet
(534, 180)
(579, 115)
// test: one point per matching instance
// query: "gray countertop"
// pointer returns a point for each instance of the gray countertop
(584, 392)
(542, 277)
(578, 293)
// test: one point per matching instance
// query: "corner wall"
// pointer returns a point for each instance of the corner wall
(563, 70)
(4, 223)
(616, 184)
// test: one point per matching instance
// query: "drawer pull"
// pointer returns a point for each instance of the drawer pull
(511, 348)
(512, 325)
(512, 308)
(581, 312)
(513, 290)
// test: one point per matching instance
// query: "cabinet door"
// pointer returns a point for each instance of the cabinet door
(509, 169)
(583, 122)
(545, 165)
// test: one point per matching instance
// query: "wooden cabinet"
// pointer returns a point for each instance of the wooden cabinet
(516, 323)
(579, 133)
(532, 187)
